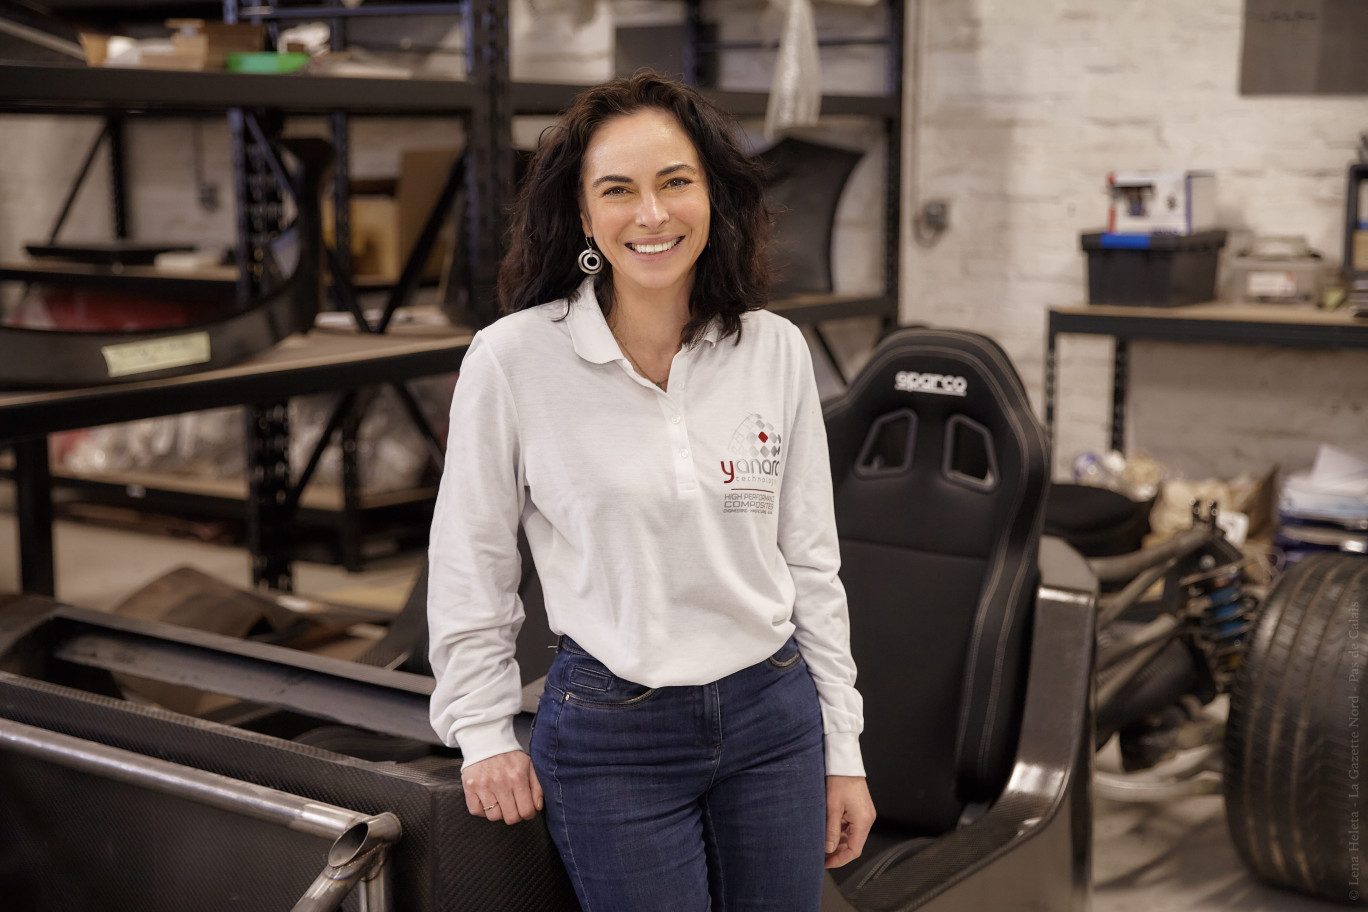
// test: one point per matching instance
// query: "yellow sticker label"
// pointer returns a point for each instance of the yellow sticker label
(157, 354)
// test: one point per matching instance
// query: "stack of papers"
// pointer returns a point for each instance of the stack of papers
(1333, 490)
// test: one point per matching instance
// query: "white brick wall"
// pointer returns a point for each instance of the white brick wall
(1026, 105)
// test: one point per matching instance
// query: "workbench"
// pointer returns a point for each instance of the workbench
(1289, 326)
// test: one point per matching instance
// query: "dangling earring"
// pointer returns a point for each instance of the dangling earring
(589, 259)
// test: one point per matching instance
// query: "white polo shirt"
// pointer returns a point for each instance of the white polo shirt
(679, 536)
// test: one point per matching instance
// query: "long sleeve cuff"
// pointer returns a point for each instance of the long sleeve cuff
(487, 739)
(843, 754)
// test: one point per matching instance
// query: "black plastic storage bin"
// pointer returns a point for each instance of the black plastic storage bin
(1156, 270)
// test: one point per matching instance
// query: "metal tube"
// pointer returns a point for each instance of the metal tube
(245, 798)
(375, 891)
(1120, 787)
(76, 184)
(714, 46)
(1110, 607)
(357, 855)
(1125, 566)
(329, 12)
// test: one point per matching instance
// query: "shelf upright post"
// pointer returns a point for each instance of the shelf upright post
(1051, 379)
(351, 423)
(269, 518)
(118, 175)
(1120, 378)
(693, 37)
(893, 164)
(350, 534)
(489, 150)
(340, 125)
(33, 507)
(259, 213)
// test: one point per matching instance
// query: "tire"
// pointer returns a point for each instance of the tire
(1296, 758)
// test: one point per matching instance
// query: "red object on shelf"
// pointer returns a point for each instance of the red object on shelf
(99, 309)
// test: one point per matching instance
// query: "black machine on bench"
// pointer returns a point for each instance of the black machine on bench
(974, 639)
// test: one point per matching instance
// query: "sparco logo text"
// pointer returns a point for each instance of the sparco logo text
(941, 384)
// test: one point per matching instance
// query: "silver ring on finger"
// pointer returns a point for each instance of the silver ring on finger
(490, 807)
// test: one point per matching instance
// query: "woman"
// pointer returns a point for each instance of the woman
(660, 439)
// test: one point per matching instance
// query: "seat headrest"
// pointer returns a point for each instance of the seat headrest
(946, 407)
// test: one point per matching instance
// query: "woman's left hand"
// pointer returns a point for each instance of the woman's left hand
(850, 814)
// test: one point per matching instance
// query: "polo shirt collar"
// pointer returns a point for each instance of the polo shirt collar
(589, 332)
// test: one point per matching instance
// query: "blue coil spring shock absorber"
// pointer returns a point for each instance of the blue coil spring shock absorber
(1223, 613)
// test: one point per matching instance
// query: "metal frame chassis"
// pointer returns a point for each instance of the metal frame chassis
(380, 700)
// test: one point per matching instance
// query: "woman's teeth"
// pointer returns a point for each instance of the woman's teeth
(655, 248)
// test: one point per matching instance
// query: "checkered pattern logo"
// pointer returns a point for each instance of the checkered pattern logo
(756, 438)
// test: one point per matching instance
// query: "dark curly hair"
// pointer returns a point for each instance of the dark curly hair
(732, 275)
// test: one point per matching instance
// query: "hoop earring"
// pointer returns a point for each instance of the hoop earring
(590, 262)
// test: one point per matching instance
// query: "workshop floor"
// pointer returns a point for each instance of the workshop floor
(1175, 856)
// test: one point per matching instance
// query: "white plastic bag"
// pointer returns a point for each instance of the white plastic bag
(796, 94)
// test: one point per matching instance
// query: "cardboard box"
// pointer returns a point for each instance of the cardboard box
(207, 44)
(387, 215)
(1161, 202)
(194, 45)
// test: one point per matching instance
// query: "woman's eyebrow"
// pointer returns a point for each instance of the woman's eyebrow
(619, 179)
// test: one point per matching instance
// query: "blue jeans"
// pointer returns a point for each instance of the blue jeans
(685, 799)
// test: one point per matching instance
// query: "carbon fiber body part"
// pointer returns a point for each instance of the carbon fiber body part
(55, 358)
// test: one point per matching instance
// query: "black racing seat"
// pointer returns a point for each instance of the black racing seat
(973, 637)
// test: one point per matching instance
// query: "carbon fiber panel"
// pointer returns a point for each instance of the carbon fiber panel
(77, 841)
(446, 860)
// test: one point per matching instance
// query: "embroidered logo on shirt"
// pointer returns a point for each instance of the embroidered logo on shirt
(754, 473)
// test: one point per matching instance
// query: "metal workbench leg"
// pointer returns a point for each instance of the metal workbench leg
(33, 504)
(1050, 366)
(1120, 374)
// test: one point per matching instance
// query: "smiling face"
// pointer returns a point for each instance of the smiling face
(644, 200)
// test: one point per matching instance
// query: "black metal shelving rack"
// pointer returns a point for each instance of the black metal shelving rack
(487, 101)
(255, 106)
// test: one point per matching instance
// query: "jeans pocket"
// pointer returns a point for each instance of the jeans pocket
(787, 657)
(596, 687)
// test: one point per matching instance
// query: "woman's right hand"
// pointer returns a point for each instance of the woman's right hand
(502, 787)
